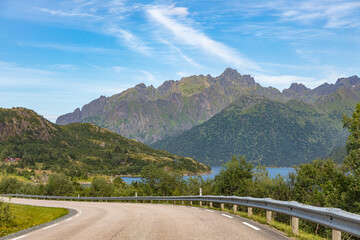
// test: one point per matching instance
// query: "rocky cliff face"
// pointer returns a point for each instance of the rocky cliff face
(16, 121)
(149, 114)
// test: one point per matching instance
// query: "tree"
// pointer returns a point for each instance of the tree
(352, 160)
(235, 177)
(100, 187)
(59, 185)
(158, 181)
(9, 185)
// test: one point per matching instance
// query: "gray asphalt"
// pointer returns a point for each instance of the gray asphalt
(101, 220)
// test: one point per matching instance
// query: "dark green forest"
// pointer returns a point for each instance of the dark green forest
(267, 132)
(79, 149)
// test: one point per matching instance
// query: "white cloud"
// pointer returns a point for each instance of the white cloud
(13, 67)
(182, 55)
(51, 118)
(149, 76)
(336, 14)
(69, 14)
(72, 48)
(189, 36)
(64, 66)
(283, 81)
(129, 39)
(118, 69)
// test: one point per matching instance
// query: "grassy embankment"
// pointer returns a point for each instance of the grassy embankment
(26, 216)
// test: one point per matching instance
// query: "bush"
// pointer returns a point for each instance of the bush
(6, 216)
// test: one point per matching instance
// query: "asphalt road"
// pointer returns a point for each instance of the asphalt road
(101, 220)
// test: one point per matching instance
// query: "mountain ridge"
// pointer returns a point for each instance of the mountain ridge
(150, 114)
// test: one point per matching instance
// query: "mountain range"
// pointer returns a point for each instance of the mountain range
(158, 115)
(80, 148)
(267, 132)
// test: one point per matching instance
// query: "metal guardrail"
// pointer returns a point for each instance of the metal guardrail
(330, 217)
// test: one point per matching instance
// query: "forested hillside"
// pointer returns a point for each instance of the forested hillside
(265, 131)
(79, 148)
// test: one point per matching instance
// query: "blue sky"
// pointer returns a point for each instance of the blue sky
(56, 56)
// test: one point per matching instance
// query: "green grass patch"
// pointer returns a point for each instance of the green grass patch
(26, 216)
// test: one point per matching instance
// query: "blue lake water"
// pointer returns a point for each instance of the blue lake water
(273, 172)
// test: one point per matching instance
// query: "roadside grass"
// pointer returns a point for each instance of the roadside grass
(26, 216)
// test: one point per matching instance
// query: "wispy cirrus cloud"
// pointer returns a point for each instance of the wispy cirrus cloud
(327, 13)
(67, 14)
(13, 67)
(132, 41)
(166, 16)
(149, 76)
(64, 66)
(181, 53)
(71, 48)
(335, 14)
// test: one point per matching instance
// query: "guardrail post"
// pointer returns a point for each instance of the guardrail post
(211, 204)
(250, 213)
(200, 203)
(182, 202)
(295, 225)
(174, 202)
(336, 235)
(190, 202)
(268, 217)
(235, 208)
(151, 201)
(222, 205)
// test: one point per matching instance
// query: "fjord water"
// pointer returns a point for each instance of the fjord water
(273, 172)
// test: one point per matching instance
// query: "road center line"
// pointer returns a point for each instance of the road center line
(227, 216)
(19, 237)
(209, 210)
(253, 227)
(68, 219)
(50, 226)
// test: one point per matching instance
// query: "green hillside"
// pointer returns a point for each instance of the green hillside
(265, 131)
(79, 148)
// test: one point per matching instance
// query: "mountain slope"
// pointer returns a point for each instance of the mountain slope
(79, 147)
(265, 131)
(148, 114)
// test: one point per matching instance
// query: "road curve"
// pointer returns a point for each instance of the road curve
(102, 220)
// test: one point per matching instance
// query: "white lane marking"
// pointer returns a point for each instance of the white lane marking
(77, 215)
(194, 207)
(227, 216)
(19, 237)
(253, 227)
(209, 210)
(50, 226)
(68, 219)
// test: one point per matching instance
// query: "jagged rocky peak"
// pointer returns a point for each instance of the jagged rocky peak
(295, 89)
(353, 80)
(298, 88)
(324, 89)
(234, 76)
(140, 85)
